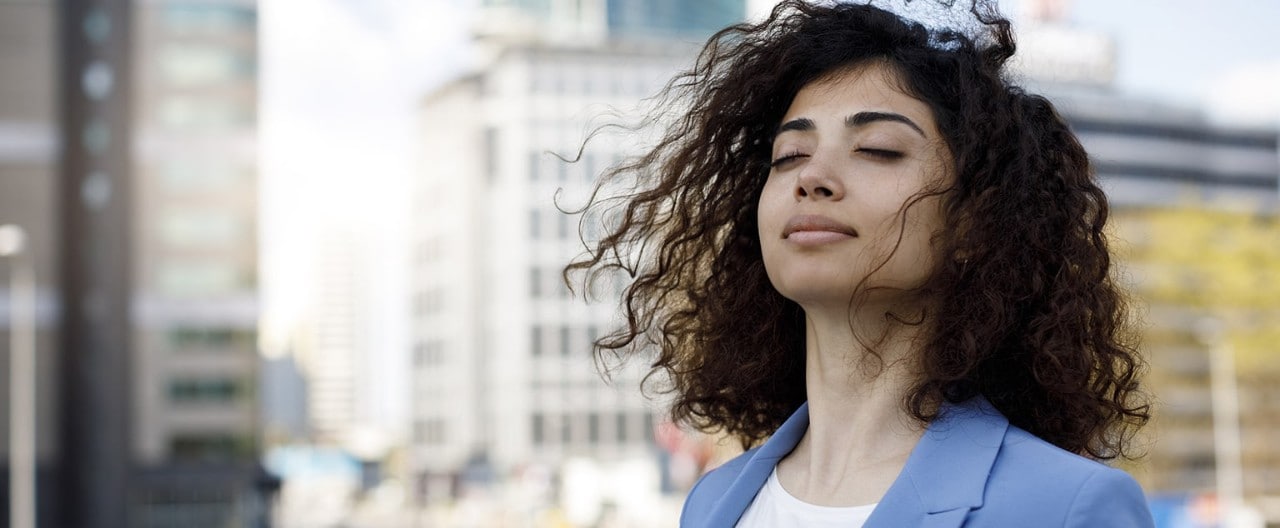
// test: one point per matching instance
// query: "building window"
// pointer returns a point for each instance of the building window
(591, 224)
(430, 431)
(185, 176)
(589, 168)
(535, 340)
(559, 288)
(535, 282)
(491, 154)
(650, 436)
(593, 428)
(555, 343)
(429, 249)
(435, 431)
(191, 277)
(204, 390)
(562, 226)
(190, 17)
(207, 447)
(198, 64)
(428, 302)
(202, 228)
(535, 161)
(420, 354)
(432, 300)
(189, 337)
(428, 353)
(624, 432)
(566, 429)
(537, 428)
(565, 341)
(535, 217)
(207, 113)
(619, 283)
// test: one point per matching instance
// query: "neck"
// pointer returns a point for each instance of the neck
(856, 383)
(857, 373)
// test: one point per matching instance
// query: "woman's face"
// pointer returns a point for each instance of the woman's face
(851, 151)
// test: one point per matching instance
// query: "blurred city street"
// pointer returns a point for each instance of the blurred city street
(297, 263)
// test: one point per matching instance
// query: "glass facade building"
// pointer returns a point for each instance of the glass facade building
(672, 18)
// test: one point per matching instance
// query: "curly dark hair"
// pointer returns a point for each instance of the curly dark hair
(1026, 312)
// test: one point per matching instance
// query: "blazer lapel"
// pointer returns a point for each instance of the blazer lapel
(946, 474)
(739, 495)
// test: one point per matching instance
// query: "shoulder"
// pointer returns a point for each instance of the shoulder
(730, 488)
(1033, 479)
(712, 487)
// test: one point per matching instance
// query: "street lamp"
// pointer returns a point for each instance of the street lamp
(1225, 395)
(22, 378)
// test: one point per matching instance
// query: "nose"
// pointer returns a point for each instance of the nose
(816, 181)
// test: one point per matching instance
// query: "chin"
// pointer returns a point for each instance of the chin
(812, 291)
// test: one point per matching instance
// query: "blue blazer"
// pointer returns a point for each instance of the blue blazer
(971, 468)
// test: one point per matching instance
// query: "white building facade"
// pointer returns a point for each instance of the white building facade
(503, 369)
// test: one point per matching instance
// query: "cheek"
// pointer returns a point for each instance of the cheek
(770, 219)
(923, 224)
(769, 212)
(769, 244)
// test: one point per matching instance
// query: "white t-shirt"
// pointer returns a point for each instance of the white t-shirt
(774, 507)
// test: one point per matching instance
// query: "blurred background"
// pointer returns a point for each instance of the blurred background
(296, 262)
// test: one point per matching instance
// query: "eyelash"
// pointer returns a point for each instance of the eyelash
(887, 155)
(881, 153)
(783, 159)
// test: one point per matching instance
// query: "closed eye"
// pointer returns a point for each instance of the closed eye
(787, 158)
(881, 153)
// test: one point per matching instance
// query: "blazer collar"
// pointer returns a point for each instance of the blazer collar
(759, 465)
(943, 479)
(946, 474)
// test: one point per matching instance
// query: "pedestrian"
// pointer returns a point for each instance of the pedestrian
(863, 251)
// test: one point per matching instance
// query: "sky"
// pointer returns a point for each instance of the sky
(341, 81)
(1222, 54)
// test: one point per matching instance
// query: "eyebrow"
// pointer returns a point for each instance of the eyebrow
(803, 124)
(863, 118)
(859, 119)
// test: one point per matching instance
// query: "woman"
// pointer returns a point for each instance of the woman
(860, 242)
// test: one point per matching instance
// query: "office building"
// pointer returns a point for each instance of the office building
(28, 198)
(503, 375)
(671, 19)
(1195, 214)
(593, 21)
(334, 340)
(146, 403)
(501, 355)
(195, 260)
(1195, 210)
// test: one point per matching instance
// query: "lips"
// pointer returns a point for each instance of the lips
(816, 224)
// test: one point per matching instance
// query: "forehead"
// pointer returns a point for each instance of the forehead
(869, 86)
